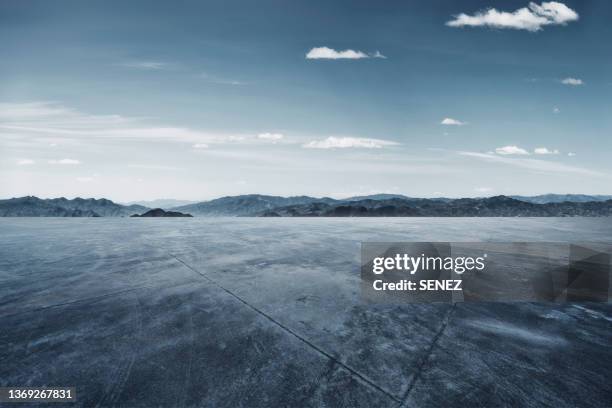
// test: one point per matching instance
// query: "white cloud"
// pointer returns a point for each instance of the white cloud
(572, 81)
(333, 142)
(270, 136)
(531, 18)
(65, 161)
(544, 150)
(483, 189)
(452, 122)
(537, 165)
(234, 138)
(200, 146)
(32, 110)
(330, 53)
(556, 110)
(42, 113)
(51, 120)
(510, 150)
(84, 179)
(571, 154)
(25, 162)
(153, 167)
(147, 65)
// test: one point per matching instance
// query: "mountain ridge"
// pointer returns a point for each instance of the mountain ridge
(31, 206)
(245, 205)
(497, 206)
(391, 205)
(163, 203)
(560, 198)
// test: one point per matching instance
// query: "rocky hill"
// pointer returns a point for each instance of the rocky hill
(158, 212)
(499, 206)
(62, 207)
(245, 205)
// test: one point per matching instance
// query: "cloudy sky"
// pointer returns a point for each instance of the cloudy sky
(199, 99)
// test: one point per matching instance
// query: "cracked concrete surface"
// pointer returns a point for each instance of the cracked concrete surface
(266, 312)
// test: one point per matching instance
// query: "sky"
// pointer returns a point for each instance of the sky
(139, 100)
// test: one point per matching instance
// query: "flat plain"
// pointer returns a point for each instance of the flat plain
(252, 312)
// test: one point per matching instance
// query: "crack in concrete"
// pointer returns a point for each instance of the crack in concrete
(428, 353)
(88, 299)
(362, 377)
(92, 299)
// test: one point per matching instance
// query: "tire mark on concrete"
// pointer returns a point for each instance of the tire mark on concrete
(93, 298)
(110, 398)
(191, 337)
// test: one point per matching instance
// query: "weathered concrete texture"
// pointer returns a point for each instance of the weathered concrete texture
(520, 354)
(266, 312)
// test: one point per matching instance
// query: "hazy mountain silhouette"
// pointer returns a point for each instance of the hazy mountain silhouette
(163, 203)
(559, 198)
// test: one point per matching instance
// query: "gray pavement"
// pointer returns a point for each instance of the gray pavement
(267, 313)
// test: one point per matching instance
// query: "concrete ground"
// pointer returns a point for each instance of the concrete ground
(267, 313)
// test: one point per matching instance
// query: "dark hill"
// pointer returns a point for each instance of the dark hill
(158, 212)
(499, 206)
(62, 207)
(245, 205)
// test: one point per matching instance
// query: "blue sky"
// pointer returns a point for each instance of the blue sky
(198, 99)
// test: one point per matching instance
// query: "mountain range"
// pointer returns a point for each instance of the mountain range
(246, 205)
(559, 198)
(62, 207)
(390, 205)
(498, 206)
(163, 203)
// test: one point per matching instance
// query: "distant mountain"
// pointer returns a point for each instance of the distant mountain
(378, 205)
(62, 207)
(499, 206)
(379, 197)
(376, 197)
(245, 205)
(158, 212)
(559, 198)
(163, 203)
(254, 204)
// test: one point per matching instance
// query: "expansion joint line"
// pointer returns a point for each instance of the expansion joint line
(362, 377)
(428, 353)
